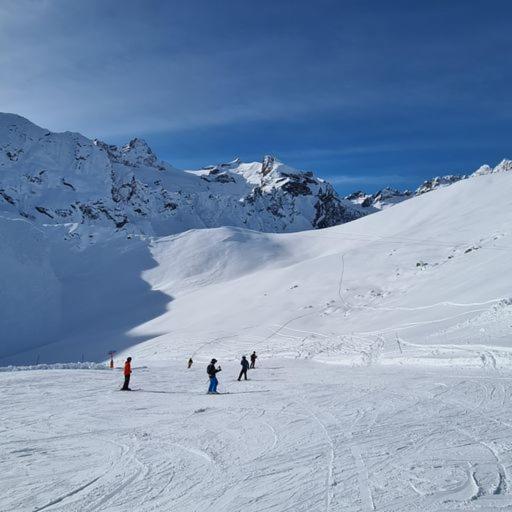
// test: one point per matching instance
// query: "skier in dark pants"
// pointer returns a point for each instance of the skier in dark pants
(127, 372)
(253, 359)
(190, 363)
(245, 367)
(212, 373)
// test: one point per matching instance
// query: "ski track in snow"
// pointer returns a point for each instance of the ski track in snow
(323, 438)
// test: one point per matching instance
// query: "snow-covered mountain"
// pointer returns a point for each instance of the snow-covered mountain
(433, 269)
(415, 301)
(387, 197)
(382, 199)
(193, 285)
(88, 190)
(86, 187)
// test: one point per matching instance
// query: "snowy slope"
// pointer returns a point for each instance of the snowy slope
(426, 280)
(298, 436)
(432, 272)
(89, 190)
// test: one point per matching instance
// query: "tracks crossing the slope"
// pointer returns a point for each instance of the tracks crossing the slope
(323, 438)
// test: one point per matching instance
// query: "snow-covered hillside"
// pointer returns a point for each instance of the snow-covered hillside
(88, 190)
(425, 280)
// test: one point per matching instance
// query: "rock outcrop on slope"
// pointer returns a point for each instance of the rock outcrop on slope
(86, 187)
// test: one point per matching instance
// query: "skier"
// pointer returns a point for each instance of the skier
(245, 367)
(190, 362)
(253, 359)
(212, 373)
(127, 373)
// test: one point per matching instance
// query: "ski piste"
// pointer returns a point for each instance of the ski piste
(337, 430)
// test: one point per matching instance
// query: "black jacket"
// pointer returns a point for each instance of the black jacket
(211, 370)
(245, 364)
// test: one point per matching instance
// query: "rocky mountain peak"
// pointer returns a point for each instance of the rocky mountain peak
(504, 166)
(138, 152)
(267, 164)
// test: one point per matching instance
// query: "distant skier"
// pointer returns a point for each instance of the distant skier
(245, 367)
(190, 363)
(127, 373)
(212, 374)
(253, 359)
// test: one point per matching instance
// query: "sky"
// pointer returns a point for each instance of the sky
(366, 94)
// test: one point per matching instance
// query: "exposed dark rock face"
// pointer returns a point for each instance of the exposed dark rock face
(267, 164)
(7, 197)
(219, 177)
(439, 181)
(297, 188)
(44, 211)
(330, 211)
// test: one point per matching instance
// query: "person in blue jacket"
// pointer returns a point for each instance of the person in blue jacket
(245, 367)
(212, 371)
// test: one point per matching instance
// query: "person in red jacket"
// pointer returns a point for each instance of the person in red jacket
(127, 373)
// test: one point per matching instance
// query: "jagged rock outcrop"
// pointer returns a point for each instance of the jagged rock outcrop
(437, 182)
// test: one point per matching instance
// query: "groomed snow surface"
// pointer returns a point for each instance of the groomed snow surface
(297, 436)
(384, 373)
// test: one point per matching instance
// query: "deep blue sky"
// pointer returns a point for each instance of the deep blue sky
(364, 93)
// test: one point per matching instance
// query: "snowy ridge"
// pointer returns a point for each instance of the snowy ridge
(390, 196)
(87, 189)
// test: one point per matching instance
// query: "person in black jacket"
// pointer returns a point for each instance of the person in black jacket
(212, 373)
(245, 367)
(253, 359)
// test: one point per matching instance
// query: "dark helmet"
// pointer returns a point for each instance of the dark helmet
(214, 361)
(129, 359)
(243, 357)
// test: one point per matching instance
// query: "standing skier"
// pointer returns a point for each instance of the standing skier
(253, 359)
(212, 373)
(127, 373)
(245, 367)
(190, 362)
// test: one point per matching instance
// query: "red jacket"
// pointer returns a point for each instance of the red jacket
(127, 368)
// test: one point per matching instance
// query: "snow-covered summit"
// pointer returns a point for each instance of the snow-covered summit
(87, 187)
(504, 166)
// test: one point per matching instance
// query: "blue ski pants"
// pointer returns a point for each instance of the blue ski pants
(213, 385)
